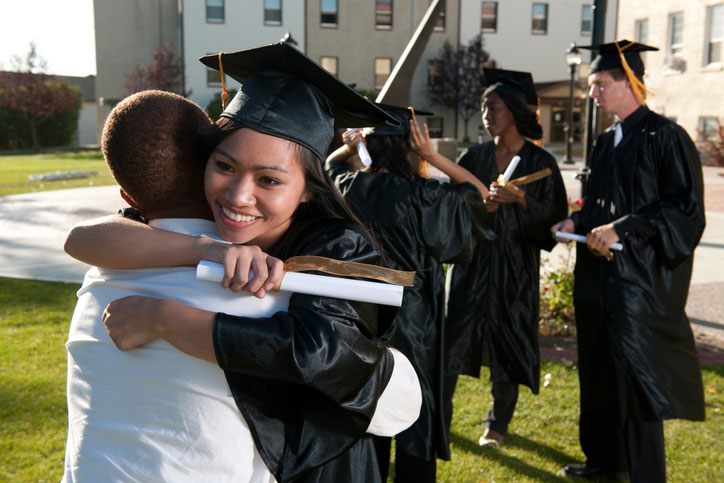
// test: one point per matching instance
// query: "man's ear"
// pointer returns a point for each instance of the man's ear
(128, 199)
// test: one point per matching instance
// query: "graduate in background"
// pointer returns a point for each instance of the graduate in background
(637, 360)
(493, 301)
(420, 224)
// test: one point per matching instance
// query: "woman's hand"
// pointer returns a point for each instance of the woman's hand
(420, 141)
(134, 321)
(239, 261)
(352, 137)
(501, 194)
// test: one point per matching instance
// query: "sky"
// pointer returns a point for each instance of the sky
(61, 29)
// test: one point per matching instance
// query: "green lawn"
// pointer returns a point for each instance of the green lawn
(15, 168)
(34, 318)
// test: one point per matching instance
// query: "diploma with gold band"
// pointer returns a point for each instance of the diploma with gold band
(322, 285)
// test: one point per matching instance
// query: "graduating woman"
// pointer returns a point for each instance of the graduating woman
(320, 365)
(493, 303)
(420, 224)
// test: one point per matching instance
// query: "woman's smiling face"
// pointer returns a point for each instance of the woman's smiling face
(254, 183)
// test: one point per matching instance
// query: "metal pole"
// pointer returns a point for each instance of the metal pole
(599, 27)
(569, 123)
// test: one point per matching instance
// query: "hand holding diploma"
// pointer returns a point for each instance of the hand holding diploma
(353, 137)
(311, 284)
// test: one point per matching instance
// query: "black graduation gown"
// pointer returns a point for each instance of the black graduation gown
(651, 188)
(420, 224)
(307, 380)
(493, 304)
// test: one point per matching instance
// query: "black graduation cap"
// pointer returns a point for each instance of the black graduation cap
(402, 115)
(520, 80)
(609, 56)
(286, 94)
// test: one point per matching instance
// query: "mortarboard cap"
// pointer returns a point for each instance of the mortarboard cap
(522, 81)
(402, 115)
(286, 94)
(609, 56)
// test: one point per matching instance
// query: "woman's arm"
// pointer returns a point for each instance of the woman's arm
(422, 144)
(344, 153)
(118, 243)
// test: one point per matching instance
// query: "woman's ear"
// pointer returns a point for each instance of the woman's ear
(306, 196)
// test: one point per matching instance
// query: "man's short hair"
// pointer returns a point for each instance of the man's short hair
(619, 75)
(150, 146)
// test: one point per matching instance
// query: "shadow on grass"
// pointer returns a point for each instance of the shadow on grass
(514, 463)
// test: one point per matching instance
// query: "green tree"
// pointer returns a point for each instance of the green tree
(213, 108)
(456, 78)
(30, 99)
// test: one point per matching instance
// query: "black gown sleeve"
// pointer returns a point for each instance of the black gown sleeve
(452, 217)
(317, 367)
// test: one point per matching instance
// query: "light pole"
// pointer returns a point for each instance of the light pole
(573, 59)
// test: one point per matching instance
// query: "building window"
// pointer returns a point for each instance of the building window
(440, 23)
(215, 11)
(272, 12)
(708, 127)
(586, 20)
(715, 15)
(329, 13)
(383, 14)
(540, 18)
(383, 67)
(676, 33)
(213, 78)
(330, 64)
(641, 34)
(434, 126)
(434, 70)
(489, 22)
(641, 28)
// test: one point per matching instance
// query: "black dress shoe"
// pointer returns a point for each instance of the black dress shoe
(576, 470)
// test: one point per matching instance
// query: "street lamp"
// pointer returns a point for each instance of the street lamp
(573, 59)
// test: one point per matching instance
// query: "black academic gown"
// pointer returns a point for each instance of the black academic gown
(307, 380)
(493, 304)
(650, 187)
(420, 224)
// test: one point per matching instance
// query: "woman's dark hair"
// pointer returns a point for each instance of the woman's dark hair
(526, 121)
(389, 153)
(326, 200)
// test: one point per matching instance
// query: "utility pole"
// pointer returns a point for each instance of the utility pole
(599, 27)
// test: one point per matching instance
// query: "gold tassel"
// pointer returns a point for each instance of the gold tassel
(639, 89)
(538, 142)
(224, 93)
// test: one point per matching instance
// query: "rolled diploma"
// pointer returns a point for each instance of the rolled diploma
(362, 152)
(582, 239)
(322, 285)
(511, 167)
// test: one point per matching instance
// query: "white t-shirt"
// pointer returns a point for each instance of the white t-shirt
(157, 414)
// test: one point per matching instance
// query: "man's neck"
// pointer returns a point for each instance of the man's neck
(626, 111)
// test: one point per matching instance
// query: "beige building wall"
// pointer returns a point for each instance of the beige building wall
(686, 88)
(126, 34)
(356, 42)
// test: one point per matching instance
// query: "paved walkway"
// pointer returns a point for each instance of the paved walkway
(33, 227)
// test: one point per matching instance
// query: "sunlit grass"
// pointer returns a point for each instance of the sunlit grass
(14, 171)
